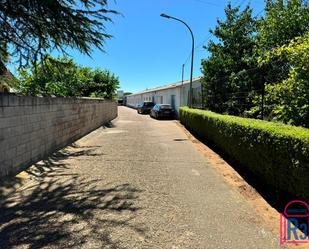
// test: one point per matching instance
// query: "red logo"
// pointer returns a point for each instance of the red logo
(294, 223)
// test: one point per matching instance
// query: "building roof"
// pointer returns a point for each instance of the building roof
(169, 86)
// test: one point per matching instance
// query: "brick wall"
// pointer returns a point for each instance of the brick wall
(32, 127)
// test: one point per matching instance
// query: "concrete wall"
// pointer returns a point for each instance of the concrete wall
(32, 127)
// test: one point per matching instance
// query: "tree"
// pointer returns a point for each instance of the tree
(284, 20)
(231, 72)
(104, 84)
(63, 77)
(34, 28)
(288, 101)
(56, 77)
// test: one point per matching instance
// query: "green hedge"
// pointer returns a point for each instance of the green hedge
(277, 154)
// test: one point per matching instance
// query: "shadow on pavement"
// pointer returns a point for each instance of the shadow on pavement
(62, 209)
(109, 125)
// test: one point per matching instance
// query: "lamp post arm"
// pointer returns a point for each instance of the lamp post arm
(185, 25)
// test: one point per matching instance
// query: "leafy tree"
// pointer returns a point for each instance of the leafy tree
(63, 77)
(57, 77)
(288, 101)
(231, 71)
(103, 84)
(251, 54)
(32, 28)
(284, 20)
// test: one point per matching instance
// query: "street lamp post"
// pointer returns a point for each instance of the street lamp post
(192, 56)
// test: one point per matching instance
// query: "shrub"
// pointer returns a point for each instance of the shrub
(277, 154)
(63, 77)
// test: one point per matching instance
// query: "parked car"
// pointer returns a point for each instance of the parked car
(145, 107)
(162, 111)
(120, 101)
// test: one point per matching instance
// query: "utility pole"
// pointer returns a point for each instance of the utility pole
(182, 90)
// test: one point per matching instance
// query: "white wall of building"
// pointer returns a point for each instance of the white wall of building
(175, 95)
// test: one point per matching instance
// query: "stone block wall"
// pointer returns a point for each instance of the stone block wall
(31, 128)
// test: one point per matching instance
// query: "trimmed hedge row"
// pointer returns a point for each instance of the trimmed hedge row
(277, 154)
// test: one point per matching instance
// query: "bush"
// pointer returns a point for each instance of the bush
(63, 77)
(277, 154)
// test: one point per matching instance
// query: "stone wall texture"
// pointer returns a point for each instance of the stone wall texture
(31, 128)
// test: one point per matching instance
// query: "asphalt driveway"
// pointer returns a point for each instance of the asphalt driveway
(138, 183)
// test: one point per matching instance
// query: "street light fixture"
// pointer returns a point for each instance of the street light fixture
(192, 57)
(164, 15)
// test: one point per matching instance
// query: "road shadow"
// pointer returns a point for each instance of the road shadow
(180, 139)
(163, 118)
(58, 208)
(9, 185)
(109, 125)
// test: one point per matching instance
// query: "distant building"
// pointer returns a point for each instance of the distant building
(176, 95)
(5, 77)
(120, 94)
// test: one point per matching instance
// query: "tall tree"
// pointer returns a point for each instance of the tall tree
(231, 72)
(33, 28)
(288, 101)
(284, 20)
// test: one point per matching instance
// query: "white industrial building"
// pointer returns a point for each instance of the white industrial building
(176, 95)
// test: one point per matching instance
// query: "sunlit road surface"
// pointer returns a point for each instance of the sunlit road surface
(139, 183)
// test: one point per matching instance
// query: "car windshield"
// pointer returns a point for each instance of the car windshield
(165, 107)
(148, 104)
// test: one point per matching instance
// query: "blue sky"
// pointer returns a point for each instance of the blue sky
(147, 50)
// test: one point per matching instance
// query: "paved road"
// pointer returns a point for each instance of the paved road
(136, 184)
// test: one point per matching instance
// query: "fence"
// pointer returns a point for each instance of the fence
(237, 103)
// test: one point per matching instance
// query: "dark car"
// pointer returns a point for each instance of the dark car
(145, 107)
(162, 111)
